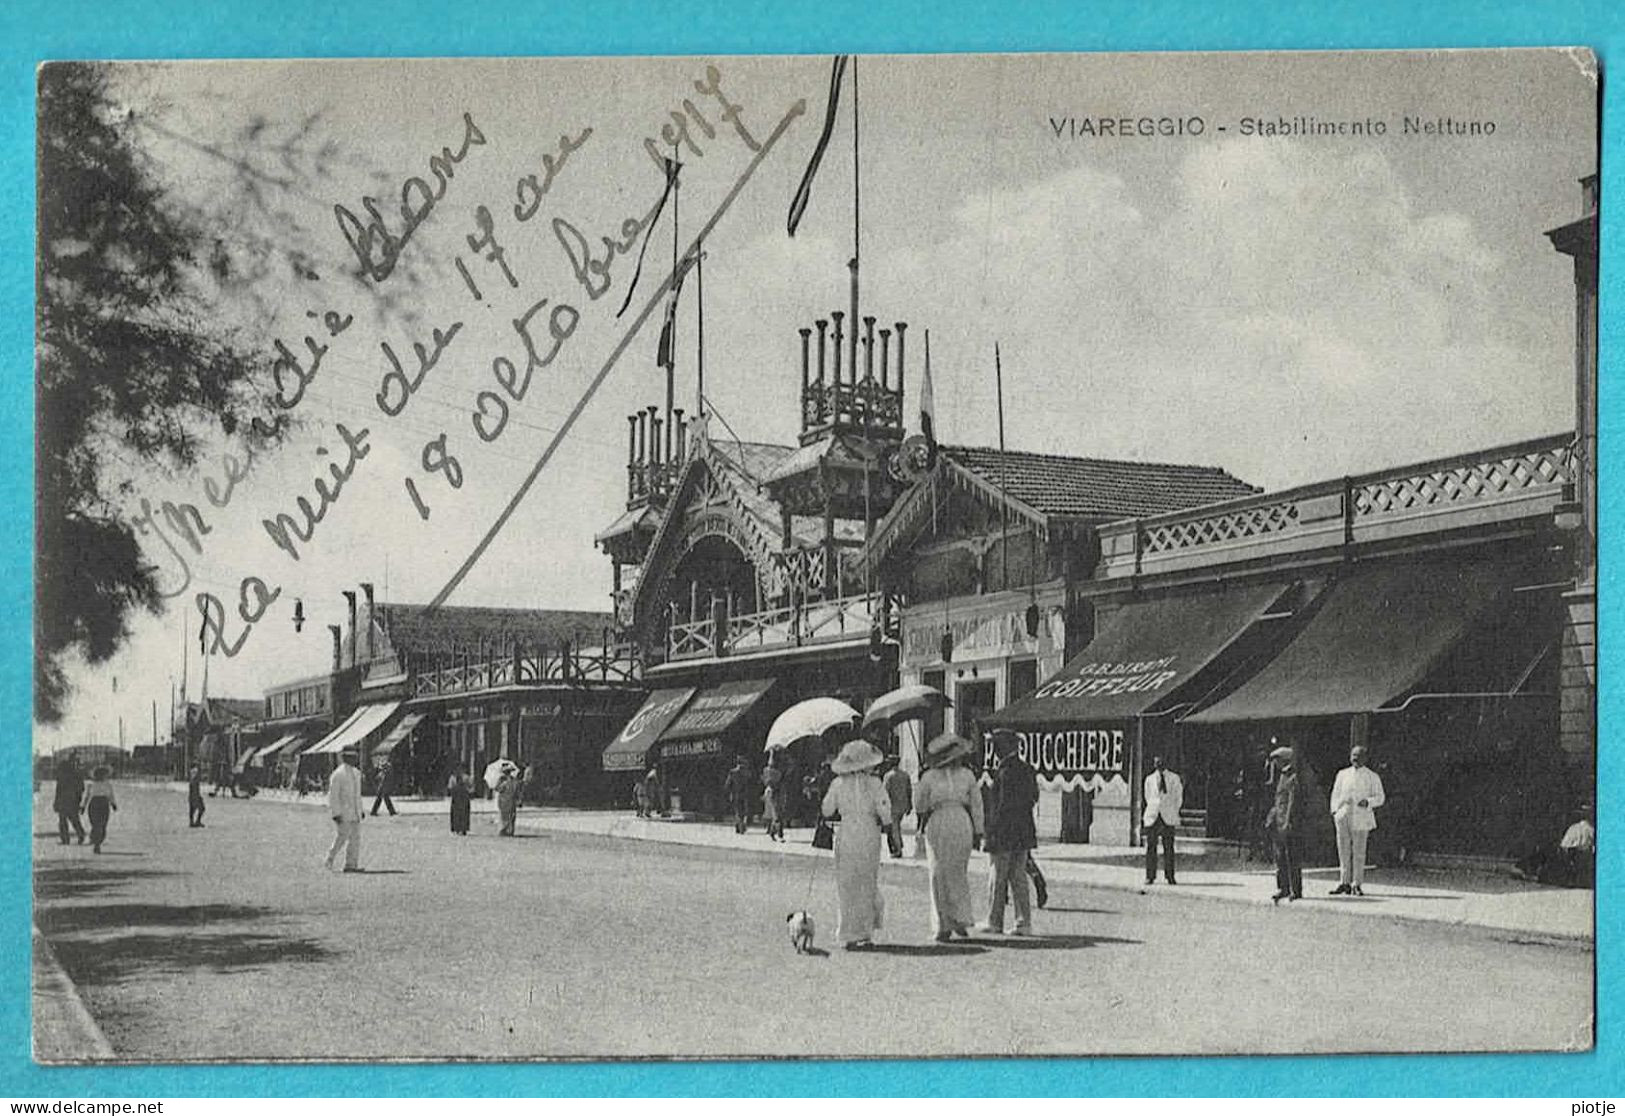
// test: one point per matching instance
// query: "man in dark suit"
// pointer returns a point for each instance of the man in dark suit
(386, 773)
(1286, 824)
(70, 788)
(1010, 835)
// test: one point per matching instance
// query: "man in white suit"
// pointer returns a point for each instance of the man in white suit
(1164, 795)
(344, 804)
(1355, 797)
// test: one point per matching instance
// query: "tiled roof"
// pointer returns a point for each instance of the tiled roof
(1092, 487)
(453, 628)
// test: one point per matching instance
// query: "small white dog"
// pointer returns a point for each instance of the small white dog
(801, 930)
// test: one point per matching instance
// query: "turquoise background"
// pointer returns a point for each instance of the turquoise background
(34, 30)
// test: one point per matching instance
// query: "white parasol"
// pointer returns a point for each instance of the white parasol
(809, 718)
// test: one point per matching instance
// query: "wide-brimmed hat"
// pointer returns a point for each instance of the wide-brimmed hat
(946, 748)
(857, 755)
(1282, 753)
(101, 772)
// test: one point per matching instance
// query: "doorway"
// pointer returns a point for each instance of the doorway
(973, 704)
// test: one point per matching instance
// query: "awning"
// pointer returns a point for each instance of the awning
(714, 712)
(244, 756)
(630, 748)
(285, 746)
(397, 734)
(360, 724)
(1379, 632)
(1140, 659)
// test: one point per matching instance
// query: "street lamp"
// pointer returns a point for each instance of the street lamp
(1567, 515)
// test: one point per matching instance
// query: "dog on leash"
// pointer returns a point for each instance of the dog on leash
(801, 930)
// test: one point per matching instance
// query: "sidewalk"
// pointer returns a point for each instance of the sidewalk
(1560, 916)
(1502, 904)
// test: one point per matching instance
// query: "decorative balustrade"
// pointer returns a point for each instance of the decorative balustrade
(650, 480)
(795, 625)
(863, 404)
(1506, 483)
(573, 667)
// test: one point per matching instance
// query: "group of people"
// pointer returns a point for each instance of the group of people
(949, 802)
(75, 795)
(1356, 795)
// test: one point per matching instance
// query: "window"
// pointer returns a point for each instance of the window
(1022, 679)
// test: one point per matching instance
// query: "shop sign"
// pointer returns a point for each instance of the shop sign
(1069, 752)
(681, 749)
(1100, 679)
(991, 635)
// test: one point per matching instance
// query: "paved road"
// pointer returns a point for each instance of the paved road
(233, 942)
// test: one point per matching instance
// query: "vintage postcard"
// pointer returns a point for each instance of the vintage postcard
(856, 556)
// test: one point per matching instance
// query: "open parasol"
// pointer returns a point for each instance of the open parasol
(903, 703)
(809, 718)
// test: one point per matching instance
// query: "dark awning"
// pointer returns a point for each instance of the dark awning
(1140, 659)
(630, 748)
(397, 734)
(714, 711)
(1378, 633)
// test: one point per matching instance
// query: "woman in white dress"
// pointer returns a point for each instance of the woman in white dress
(857, 797)
(948, 804)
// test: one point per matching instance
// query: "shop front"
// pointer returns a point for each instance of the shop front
(1092, 727)
(699, 746)
(627, 757)
(1446, 669)
(983, 652)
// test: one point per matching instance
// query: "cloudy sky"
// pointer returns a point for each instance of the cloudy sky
(1289, 308)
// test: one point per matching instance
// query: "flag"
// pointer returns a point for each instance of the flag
(798, 204)
(664, 357)
(927, 400)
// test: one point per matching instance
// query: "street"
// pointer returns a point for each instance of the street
(233, 942)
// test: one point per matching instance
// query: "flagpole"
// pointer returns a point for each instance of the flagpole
(852, 363)
(671, 366)
(1004, 491)
(699, 296)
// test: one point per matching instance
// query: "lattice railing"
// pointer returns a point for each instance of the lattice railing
(564, 667)
(864, 403)
(1420, 498)
(787, 626)
(1467, 480)
(1228, 526)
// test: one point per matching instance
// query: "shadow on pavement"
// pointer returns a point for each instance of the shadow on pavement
(374, 872)
(122, 916)
(84, 879)
(925, 949)
(1053, 909)
(1057, 941)
(106, 961)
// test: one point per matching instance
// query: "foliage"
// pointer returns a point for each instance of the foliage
(131, 367)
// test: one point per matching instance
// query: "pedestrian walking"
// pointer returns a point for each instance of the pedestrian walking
(1285, 823)
(194, 798)
(856, 797)
(99, 804)
(1356, 794)
(640, 797)
(1011, 835)
(68, 799)
(948, 806)
(508, 802)
(344, 805)
(461, 802)
(654, 793)
(736, 788)
(900, 792)
(773, 799)
(385, 773)
(1164, 795)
